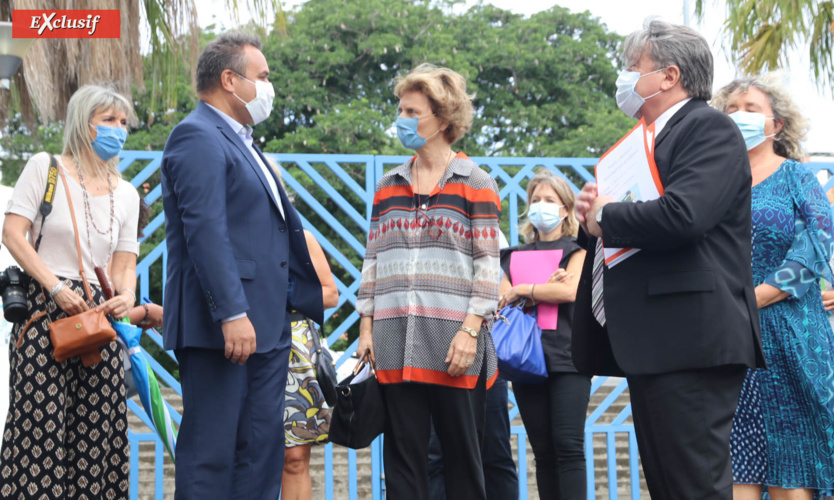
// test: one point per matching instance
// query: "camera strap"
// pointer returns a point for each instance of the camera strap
(48, 196)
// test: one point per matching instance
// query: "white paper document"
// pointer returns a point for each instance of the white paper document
(627, 173)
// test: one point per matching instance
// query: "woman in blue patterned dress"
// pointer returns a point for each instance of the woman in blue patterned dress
(783, 430)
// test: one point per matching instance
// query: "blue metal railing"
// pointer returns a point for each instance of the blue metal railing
(320, 182)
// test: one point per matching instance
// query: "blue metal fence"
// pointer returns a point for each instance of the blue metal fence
(326, 185)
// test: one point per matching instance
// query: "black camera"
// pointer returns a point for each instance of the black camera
(13, 294)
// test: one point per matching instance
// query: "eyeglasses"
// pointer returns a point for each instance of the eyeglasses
(434, 229)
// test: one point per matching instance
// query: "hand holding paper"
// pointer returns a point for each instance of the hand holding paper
(584, 200)
(627, 173)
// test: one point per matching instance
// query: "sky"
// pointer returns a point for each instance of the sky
(623, 17)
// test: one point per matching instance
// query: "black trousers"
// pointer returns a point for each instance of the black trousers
(683, 422)
(554, 414)
(458, 418)
(500, 474)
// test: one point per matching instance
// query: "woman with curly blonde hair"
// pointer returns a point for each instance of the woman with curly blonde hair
(783, 429)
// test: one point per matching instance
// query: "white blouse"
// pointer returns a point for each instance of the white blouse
(57, 248)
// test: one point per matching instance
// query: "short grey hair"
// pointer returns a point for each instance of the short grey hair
(224, 52)
(78, 136)
(671, 44)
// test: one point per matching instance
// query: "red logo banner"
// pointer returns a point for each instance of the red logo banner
(66, 24)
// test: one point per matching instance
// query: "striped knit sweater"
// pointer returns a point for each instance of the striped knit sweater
(426, 268)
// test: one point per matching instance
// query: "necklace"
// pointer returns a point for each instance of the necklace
(90, 221)
(420, 208)
(417, 177)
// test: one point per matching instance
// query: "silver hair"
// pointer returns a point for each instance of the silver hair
(78, 136)
(224, 52)
(671, 44)
(788, 142)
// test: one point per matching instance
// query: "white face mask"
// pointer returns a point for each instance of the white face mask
(261, 106)
(628, 100)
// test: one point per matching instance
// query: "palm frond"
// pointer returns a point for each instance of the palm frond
(53, 69)
(762, 33)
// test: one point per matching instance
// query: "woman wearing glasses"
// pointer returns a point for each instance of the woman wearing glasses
(429, 289)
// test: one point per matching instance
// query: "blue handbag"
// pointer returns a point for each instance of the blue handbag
(518, 345)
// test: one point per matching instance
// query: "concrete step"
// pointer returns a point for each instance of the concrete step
(363, 457)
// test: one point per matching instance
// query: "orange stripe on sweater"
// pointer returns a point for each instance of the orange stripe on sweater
(413, 374)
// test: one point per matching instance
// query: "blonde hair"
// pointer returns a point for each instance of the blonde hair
(277, 169)
(78, 136)
(569, 226)
(788, 141)
(446, 91)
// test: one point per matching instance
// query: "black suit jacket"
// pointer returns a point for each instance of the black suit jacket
(686, 300)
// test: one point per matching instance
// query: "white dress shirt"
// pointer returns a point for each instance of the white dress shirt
(245, 134)
(667, 115)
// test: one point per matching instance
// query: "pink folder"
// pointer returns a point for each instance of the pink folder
(535, 267)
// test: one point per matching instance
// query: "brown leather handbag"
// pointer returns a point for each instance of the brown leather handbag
(85, 333)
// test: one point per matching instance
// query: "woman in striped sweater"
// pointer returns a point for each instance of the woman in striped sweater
(429, 289)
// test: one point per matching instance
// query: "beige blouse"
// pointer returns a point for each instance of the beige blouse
(57, 248)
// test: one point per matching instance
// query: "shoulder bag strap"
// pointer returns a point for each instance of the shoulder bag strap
(77, 242)
(315, 333)
(48, 196)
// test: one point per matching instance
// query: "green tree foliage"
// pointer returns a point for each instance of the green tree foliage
(760, 34)
(544, 84)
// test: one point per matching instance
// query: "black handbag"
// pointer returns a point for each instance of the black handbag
(325, 368)
(359, 415)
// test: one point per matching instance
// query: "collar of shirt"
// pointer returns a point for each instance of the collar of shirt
(667, 115)
(460, 165)
(243, 131)
(245, 134)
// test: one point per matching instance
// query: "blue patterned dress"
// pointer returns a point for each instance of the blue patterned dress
(783, 430)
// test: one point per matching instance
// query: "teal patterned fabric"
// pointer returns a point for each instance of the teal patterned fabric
(783, 431)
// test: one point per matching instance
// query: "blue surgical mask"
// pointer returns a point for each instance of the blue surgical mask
(407, 132)
(628, 100)
(545, 216)
(752, 127)
(109, 141)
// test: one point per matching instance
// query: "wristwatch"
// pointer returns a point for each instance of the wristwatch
(471, 331)
(599, 215)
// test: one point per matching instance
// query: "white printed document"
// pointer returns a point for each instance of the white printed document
(627, 173)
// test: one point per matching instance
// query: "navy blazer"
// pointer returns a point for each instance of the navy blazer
(229, 249)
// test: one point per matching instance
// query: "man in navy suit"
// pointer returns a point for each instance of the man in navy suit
(237, 263)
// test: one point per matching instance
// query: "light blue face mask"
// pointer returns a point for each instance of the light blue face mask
(545, 216)
(407, 132)
(109, 141)
(752, 127)
(628, 100)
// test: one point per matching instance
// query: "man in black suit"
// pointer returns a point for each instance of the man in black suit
(679, 318)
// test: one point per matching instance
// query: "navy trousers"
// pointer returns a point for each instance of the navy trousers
(500, 473)
(231, 442)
